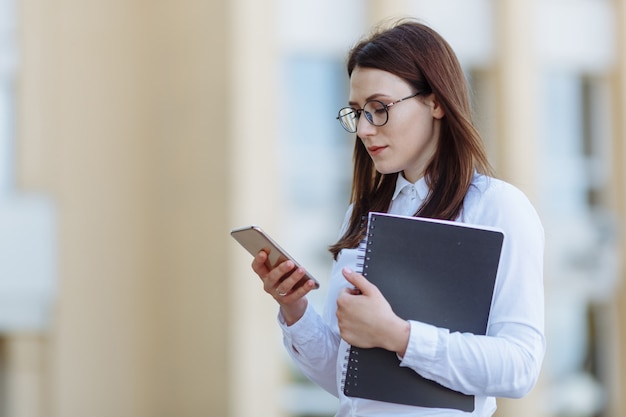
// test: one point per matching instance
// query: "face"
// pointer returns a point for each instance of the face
(407, 142)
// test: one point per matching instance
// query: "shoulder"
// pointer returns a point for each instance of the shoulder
(492, 201)
(493, 190)
(496, 203)
(346, 220)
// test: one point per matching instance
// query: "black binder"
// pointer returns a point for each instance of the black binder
(438, 272)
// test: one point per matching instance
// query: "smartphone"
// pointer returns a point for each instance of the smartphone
(254, 239)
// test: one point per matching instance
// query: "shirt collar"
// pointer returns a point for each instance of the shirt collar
(420, 186)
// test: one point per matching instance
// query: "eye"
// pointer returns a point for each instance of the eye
(376, 107)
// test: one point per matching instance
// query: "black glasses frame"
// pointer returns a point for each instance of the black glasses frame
(352, 113)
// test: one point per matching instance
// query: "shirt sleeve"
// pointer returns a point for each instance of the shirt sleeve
(313, 347)
(506, 361)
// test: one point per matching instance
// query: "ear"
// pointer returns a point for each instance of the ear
(435, 106)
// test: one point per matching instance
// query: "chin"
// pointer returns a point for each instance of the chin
(386, 170)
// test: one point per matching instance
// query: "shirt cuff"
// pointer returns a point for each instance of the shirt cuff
(422, 346)
(302, 331)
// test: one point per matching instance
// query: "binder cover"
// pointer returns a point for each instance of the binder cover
(438, 272)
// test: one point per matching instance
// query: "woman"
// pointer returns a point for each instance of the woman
(417, 153)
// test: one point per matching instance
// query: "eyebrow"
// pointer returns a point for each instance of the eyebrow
(374, 96)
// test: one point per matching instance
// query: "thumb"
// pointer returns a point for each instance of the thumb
(359, 281)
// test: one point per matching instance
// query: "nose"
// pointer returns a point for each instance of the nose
(364, 127)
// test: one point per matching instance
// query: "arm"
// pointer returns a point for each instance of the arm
(507, 361)
(309, 341)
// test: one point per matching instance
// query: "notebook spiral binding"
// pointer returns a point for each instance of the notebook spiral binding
(352, 367)
(362, 245)
(349, 375)
(344, 372)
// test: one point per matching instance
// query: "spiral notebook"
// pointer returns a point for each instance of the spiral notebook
(438, 272)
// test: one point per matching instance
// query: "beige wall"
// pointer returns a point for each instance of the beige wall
(148, 124)
(257, 365)
(516, 71)
(123, 110)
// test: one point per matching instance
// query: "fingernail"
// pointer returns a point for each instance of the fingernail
(347, 270)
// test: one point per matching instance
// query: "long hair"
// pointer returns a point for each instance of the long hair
(420, 56)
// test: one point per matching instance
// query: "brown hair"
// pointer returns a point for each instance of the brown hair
(420, 56)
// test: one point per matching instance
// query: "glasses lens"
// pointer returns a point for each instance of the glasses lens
(348, 119)
(376, 112)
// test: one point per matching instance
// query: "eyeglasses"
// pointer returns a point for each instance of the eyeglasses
(376, 112)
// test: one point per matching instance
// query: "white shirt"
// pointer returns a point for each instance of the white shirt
(504, 363)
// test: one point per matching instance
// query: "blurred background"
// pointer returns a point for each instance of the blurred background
(134, 135)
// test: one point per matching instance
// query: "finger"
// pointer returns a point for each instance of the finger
(292, 280)
(295, 293)
(360, 283)
(259, 264)
(277, 275)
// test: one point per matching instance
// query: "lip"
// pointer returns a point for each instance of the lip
(375, 150)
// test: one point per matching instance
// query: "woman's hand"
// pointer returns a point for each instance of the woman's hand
(366, 319)
(283, 284)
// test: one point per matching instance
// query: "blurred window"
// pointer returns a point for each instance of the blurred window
(581, 269)
(27, 220)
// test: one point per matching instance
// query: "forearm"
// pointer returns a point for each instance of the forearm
(504, 364)
(293, 312)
